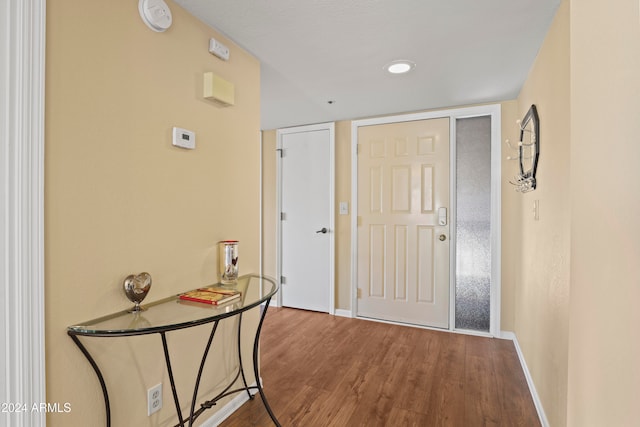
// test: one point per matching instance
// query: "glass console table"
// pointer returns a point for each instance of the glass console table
(171, 314)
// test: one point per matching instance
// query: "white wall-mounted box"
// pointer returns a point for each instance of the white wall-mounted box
(218, 49)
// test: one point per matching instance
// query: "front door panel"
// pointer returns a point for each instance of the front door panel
(403, 224)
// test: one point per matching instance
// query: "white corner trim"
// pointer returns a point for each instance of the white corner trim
(227, 410)
(22, 352)
(532, 388)
(507, 335)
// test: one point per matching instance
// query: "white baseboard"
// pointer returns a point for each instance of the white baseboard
(532, 388)
(507, 335)
(228, 409)
(343, 313)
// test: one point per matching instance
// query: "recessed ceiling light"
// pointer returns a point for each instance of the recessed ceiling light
(400, 66)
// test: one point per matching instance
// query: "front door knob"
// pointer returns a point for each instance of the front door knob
(442, 237)
(323, 230)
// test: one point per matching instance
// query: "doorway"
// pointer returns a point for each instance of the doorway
(491, 269)
(305, 227)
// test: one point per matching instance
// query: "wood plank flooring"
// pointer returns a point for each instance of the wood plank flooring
(320, 370)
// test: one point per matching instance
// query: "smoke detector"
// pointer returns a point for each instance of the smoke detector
(156, 14)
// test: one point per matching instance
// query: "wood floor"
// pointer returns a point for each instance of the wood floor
(321, 370)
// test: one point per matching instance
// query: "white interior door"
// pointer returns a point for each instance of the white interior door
(306, 222)
(403, 222)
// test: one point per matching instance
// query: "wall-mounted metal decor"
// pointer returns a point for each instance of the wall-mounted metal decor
(528, 151)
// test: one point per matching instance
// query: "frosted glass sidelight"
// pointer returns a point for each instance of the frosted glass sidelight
(473, 223)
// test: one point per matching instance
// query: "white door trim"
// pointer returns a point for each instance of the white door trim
(279, 134)
(487, 110)
(22, 357)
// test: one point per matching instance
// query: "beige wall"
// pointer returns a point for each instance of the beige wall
(343, 222)
(120, 199)
(510, 216)
(541, 297)
(575, 299)
(269, 203)
(604, 343)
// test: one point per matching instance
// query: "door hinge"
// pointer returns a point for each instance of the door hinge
(283, 216)
(358, 148)
(283, 280)
(359, 221)
(358, 293)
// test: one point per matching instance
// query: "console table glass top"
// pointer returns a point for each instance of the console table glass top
(172, 313)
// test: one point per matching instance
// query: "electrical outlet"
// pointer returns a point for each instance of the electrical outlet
(154, 399)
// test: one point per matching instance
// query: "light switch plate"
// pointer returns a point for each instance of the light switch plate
(344, 208)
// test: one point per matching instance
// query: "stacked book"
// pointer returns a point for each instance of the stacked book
(212, 295)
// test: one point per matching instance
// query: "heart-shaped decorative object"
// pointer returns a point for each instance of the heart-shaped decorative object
(136, 287)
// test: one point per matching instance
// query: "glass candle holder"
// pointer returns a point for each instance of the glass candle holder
(228, 266)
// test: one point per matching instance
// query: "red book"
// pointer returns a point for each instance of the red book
(213, 296)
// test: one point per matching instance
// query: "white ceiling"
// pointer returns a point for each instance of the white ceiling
(316, 51)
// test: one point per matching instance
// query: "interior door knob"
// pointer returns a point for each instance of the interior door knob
(323, 230)
(442, 237)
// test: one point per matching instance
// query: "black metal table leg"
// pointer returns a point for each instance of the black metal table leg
(256, 368)
(204, 358)
(94, 365)
(171, 380)
(244, 378)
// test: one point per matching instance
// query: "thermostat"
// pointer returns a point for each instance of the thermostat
(184, 138)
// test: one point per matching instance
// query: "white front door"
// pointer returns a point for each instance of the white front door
(403, 222)
(306, 222)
